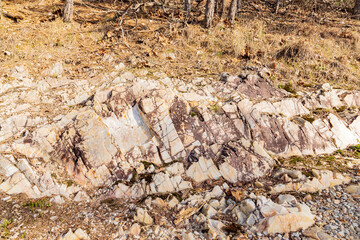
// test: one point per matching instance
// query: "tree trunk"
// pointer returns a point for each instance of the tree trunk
(238, 8)
(68, 11)
(357, 9)
(216, 8)
(188, 6)
(222, 8)
(232, 10)
(277, 6)
(209, 12)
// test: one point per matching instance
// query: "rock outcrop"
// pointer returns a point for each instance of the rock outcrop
(176, 155)
(139, 136)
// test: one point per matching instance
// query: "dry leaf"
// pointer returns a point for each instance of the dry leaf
(238, 195)
(186, 213)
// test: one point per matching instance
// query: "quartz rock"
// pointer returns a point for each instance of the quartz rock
(135, 230)
(143, 217)
(293, 220)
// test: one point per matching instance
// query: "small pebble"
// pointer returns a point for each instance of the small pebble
(308, 198)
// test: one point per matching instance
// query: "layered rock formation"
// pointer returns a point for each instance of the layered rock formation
(139, 136)
(179, 150)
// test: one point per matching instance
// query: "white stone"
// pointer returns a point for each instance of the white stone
(7, 168)
(69, 236)
(143, 217)
(265, 107)
(291, 107)
(247, 206)
(17, 184)
(251, 220)
(355, 126)
(202, 170)
(81, 196)
(176, 169)
(163, 183)
(215, 229)
(228, 172)
(188, 236)
(209, 211)
(290, 222)
(173, 202)
(58, 200)
(102, 95)
(81, 234)
(216, 192)
(342, 135)
(353, 99)
(158, 202)
(128, 76)
(129, 130)
(323, 179)
(135, 230)
(354, 190)
(286, 199)
(120, 67)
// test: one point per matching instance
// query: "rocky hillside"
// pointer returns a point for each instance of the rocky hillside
(139, 157)
(135, 122)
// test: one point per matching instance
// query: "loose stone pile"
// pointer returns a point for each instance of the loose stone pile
(134, 138)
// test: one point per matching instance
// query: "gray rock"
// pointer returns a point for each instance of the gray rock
(250, 221)
(247, 206)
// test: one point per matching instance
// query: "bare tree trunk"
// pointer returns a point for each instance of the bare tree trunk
(277, 6)
(357, 9)
(238, 8)
(209, 12)
(232, 10)
(68, 11)
(222, 8)
(216, 8)
(188, 6)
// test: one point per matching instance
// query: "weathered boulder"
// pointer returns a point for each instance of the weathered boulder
(292, 219)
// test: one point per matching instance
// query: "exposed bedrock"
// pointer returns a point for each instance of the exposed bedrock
(139, 137)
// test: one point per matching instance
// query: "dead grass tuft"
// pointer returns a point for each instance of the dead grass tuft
(248, 39)
(293, 52)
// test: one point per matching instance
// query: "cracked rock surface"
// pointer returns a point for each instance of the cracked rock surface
(148, 142)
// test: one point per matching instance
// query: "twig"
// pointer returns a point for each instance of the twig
(98, 7)
(125, 12)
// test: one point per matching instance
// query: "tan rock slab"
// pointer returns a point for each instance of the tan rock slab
(354, 190)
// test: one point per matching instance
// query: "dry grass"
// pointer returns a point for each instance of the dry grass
(296, 48)
(248, 38)
(310, 55)
(38, 46)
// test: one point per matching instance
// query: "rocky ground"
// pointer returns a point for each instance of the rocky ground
(137, 131)
(204, 214)
(151, 157)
